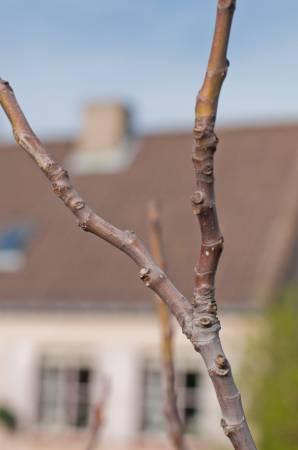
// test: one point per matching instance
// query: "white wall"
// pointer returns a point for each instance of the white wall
(18, 378)
(118, 345)
(123, 367)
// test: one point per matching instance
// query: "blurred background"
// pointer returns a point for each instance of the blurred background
(110, 88)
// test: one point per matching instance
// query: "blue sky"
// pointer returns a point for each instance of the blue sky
(58, 54)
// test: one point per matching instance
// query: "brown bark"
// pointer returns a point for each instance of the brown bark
(97, 416)
(126, 241)
(205, 335)
(174, 423)
(198, 319)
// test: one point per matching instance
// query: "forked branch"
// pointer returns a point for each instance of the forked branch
(174, 423)
(198, 320)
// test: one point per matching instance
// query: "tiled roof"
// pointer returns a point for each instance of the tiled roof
(256, 186)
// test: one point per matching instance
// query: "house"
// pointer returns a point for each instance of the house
(72, 309)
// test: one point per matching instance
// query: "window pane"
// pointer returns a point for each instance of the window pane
(64, 396)
(84, 375)
(187, 392)
(49, 395)
(191, 379)
(153, 401)
(15, 237)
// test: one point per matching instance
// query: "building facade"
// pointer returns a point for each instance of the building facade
(76, 324)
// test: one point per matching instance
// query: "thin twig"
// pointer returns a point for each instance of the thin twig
(174, 423)
(97, 416)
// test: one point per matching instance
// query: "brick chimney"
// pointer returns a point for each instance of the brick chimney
(105, 142)
(105, 125)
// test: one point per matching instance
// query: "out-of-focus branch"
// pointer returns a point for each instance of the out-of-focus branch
(98, 414)
(173, 420)
(206, 324)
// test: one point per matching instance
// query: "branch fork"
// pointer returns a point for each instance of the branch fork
(198, 319)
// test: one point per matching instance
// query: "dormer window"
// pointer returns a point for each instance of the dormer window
(13, 242)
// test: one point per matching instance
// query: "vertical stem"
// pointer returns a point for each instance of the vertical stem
(206, 326)
(97, 416)
(174, 423)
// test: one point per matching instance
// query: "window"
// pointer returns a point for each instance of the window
(64, 398)
(13, 242)
(187, 382)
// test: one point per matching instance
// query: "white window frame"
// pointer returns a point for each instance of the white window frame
(186, 398)
(63, 363)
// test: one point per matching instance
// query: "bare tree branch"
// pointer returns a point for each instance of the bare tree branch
(205, 335)
(174, 423)
(198, 320)
(126, 241)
